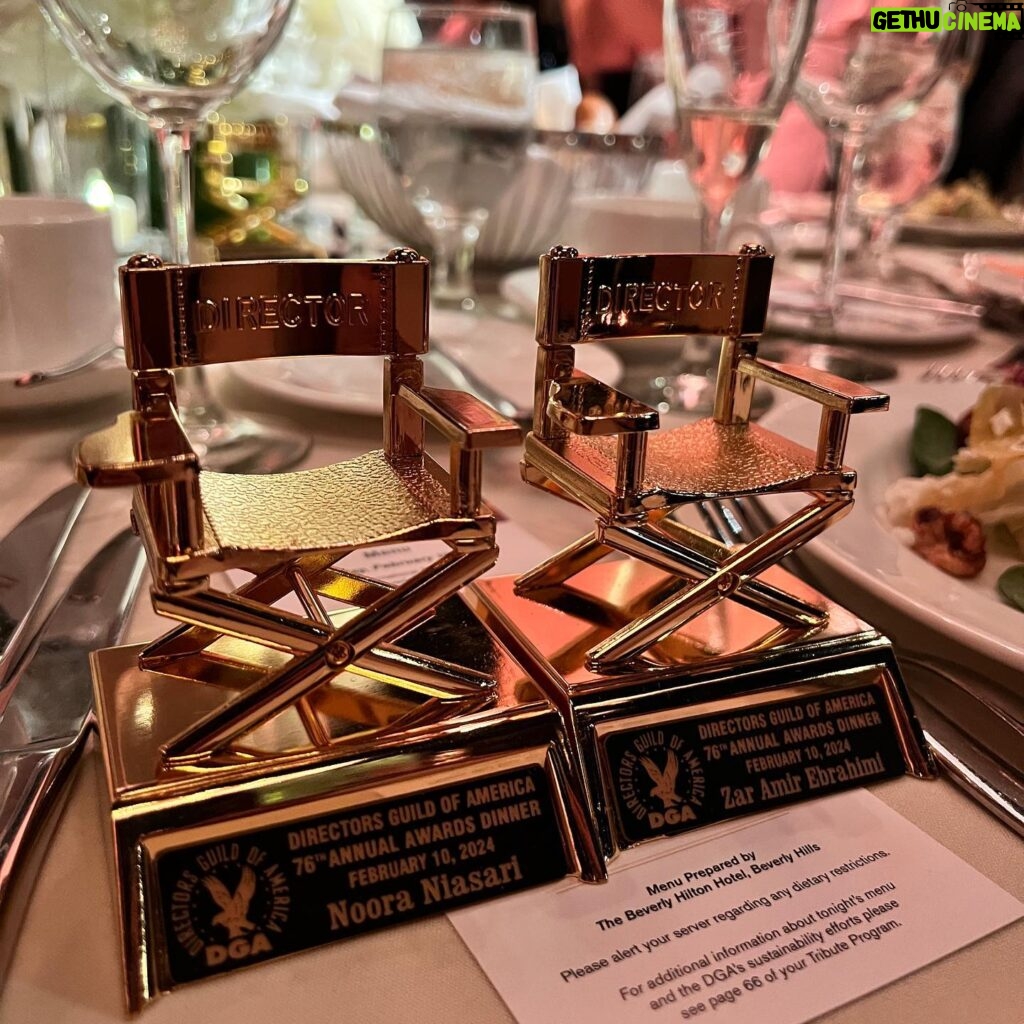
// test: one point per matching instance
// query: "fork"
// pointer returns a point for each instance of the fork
(954, 373)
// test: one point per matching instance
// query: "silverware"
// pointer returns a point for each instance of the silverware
(48, 716)
(72, 367)
(461, 377)
(979, 740)
(28, 555)
(933, 304)
(974, 726)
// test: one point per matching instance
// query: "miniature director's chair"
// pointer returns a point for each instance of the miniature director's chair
(599, 448)
(290, 529)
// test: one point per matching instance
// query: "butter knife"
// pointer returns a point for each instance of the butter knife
(28, 555)
(978, 740)
(47, 720)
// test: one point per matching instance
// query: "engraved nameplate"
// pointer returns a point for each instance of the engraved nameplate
(261, 892)
(683, 773)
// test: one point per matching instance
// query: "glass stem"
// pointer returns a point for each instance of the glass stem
(835, 239)
(198, 407)
(699, 354)
(455, 241)
(710, 228)
(883, 237)
(176, 162)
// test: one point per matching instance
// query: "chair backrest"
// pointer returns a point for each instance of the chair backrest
(177, 316)
(601, 298)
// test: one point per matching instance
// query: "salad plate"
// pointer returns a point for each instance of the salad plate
(864, 549)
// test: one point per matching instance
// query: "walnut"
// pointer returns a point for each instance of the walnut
(952, 541)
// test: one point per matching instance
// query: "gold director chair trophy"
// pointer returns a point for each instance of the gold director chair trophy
(603, 450)
(679, 639)
(290, 529)
(284, 771)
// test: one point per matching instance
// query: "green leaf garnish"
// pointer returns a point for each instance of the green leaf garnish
(933, 443)
(1011, 585)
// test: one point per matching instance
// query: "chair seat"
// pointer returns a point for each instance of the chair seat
(348, 505)
(706, 460)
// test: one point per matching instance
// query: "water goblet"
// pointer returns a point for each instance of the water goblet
(731, 65)
(455, 120)
(853, 82)
(174, 62)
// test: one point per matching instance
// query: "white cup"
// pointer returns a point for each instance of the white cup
(57, 297)
(605, 225)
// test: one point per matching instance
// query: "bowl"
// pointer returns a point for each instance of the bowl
(529, 217)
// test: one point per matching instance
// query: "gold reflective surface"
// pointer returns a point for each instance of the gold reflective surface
(599, 448)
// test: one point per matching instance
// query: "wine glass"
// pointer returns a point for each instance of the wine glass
(900, 162)
(455, 120)
(855, 81)
(173, 62)
(903, 158)
(731, 66)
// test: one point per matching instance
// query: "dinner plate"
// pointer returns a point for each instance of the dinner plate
(502, 353)
(862, 547)
(962, 231)
(91, 385)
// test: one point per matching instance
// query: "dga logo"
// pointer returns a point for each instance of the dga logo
(660, 780)
(229, 904)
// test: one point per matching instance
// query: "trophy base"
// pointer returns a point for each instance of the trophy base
(731, 715)
(416, 805)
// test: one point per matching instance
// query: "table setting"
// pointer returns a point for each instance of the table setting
(315, 702)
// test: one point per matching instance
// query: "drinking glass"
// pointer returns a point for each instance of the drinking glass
(900, 162)
(731, 65)
(174, 62)
(905, 157)
(456, 118)
(855, 81)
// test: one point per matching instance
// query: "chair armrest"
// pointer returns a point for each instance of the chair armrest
(583, 405)
(824, 388)
(135, 449)
(463, 419)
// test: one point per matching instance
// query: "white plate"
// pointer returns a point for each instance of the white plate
(961, 231)
(502, 354)
(520, 289)
(101, 381)
(862, 547)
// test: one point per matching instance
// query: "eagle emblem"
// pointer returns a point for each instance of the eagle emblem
(233, 906)
(664, 781)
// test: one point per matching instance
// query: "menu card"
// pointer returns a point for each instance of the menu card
(781, 917)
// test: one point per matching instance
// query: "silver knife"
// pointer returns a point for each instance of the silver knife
(48, 717)
(28, 555)
(979, 742)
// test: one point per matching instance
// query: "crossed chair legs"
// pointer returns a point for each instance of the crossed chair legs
(318, 649)
(709, 571)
